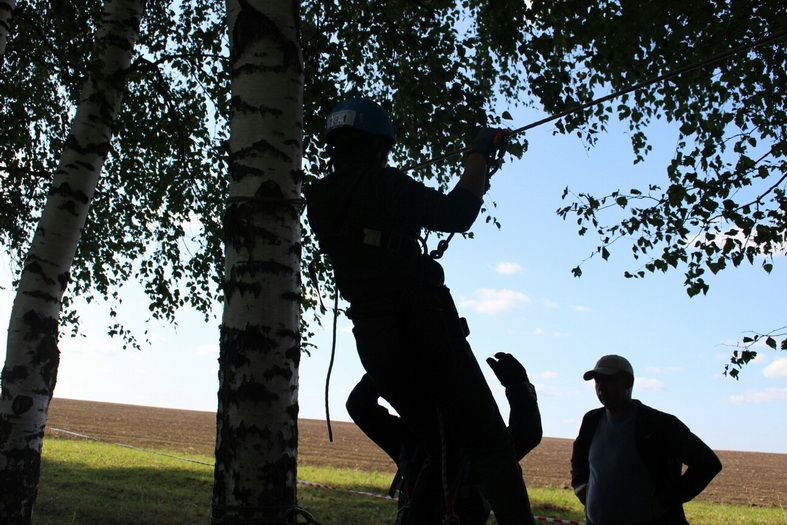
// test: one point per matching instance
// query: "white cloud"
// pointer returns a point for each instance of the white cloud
(646, 383)
(490, 301)
(560, 334)
(776, 369)
(538, 331)
(760, 396)
(582, 309)
(549, 303)
(549, 390)
(547, 375)
(508, 268)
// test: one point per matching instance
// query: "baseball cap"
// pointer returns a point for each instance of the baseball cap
(608, 365)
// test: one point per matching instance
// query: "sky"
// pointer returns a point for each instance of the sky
(516, 290)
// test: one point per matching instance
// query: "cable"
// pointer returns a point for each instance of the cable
(330, 365)
(675, 72)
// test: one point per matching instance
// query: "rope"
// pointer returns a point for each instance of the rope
(330, 364)
(773, 38)
(132, 447)
(547, 519)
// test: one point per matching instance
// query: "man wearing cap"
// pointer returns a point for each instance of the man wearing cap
(367, 218)
(627, 460)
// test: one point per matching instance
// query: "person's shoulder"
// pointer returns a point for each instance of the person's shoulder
(657, 417)
(592, 416)
(594, 412)
(649, 411)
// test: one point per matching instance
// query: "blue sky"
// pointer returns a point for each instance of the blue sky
(516, 289)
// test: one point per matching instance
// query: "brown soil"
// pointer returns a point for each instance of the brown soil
(750, 478)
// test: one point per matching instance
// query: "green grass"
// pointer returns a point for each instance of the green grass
(91, 483)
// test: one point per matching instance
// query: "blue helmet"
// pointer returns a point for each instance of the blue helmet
(360, 114)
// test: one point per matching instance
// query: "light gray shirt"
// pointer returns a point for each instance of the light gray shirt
(620, 489)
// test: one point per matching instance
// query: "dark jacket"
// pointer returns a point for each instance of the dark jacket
(664, 444)
(368, 222)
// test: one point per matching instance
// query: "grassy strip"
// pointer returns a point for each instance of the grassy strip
(88, 483)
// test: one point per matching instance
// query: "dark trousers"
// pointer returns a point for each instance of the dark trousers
(418, 357)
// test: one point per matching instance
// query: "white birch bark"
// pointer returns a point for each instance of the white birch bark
(32, 355)
(257, 437)
(6, 11)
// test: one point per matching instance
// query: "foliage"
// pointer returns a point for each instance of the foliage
(722, 201)
(435, 65)
(745, 351)
(440, 68)
(161, 172)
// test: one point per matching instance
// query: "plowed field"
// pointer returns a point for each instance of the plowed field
(749, 478)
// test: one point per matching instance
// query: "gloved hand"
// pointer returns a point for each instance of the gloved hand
(508, 370)
(488, 141)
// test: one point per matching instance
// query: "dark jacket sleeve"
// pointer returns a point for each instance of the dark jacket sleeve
(580, 454)
(386, 430)
(701, 462)
(665, 445)
(423, 207)
(524, 421)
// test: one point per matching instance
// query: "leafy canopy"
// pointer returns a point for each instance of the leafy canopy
(722, 201)
(440, 68)
(157, 215)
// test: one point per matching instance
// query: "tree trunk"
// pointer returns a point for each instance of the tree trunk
(6, 11)
(257, 433)
(32, 355)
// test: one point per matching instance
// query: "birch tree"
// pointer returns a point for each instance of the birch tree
(256, 444)
(153, 215)
(30, 372)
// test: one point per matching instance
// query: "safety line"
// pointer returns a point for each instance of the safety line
(132, 447)
(675, 72)
(545, 519)
(180, 458)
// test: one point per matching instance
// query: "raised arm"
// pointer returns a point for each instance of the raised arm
(456, 211)
(524, 422)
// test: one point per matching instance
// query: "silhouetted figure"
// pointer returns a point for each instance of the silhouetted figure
(627, 460)
(368, 218)
(391, 434)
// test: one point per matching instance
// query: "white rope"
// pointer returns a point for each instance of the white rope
(545, 519)
(179, 458)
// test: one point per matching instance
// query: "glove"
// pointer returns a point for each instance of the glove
(488, 141)
(508, 370)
